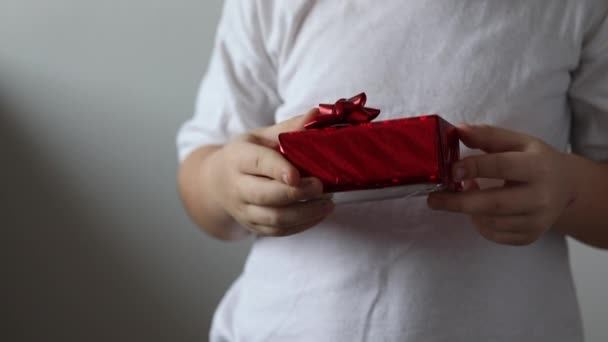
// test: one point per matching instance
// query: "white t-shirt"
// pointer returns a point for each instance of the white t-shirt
(395, 270)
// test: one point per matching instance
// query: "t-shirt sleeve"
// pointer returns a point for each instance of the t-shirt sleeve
(589, 96)
(238, 92)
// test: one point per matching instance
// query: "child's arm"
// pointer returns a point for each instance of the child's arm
(247, 186)
(234, 186)
(543, 189)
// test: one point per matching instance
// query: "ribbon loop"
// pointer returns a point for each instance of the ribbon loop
(344, 112)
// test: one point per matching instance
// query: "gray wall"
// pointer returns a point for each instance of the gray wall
(98, 247)
(95, 245)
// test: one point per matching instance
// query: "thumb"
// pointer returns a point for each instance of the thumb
(294, 124)
(491, 139)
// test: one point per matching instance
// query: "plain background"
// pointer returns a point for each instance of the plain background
(95, 245)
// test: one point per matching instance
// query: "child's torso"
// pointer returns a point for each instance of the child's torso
(394, 270)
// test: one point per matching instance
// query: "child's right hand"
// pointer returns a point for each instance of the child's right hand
(261, 190)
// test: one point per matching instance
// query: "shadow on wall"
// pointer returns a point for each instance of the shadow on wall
(62, 282)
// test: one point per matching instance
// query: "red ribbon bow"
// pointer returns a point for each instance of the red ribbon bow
(344, 112)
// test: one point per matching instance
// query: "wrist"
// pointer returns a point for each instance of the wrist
(198, 180)
(212, 175)
(578, 185)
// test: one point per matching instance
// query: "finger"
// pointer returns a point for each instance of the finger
(262, 161)
(512, 223)
(264, 230)
(290, 216)
(508, 238)
(515, 200)
(514, 166)
(300, 228)
(294, 124)
(492, 139)
(268, 192)
(281, 232)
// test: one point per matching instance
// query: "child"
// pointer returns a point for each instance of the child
(398, 270)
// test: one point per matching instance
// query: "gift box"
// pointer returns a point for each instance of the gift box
(364, 160)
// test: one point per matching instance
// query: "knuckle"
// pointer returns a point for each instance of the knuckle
(259, 197)
(236, 187)
(244, 213)
(239, 208)
(242, 220)
(528, 169)
(248, 138)
(242, 137)
(249, 225)
(229, 156)
(495, 166)
(239, 157)
(536, 145)
(256, 227)
(504, 166)
(272, 218)
(543, 201)
(238, 144)
(232, 192)
(543, 169)
(538, 225)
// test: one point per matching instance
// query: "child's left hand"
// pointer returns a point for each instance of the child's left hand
(538, 186)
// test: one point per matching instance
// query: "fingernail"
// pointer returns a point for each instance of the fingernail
(304, 182)
(459, 173)
(307, 182)
(285, 178)
(311, 184)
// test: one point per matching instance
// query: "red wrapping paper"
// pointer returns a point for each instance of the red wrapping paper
(360, 155)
